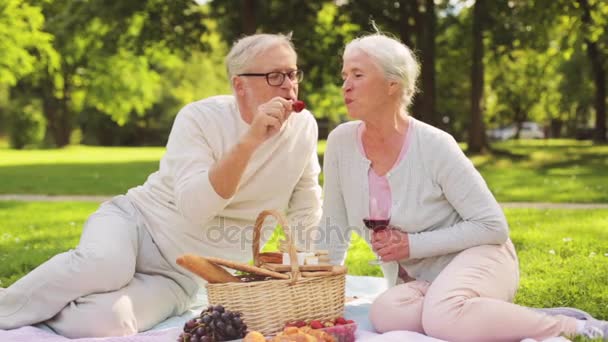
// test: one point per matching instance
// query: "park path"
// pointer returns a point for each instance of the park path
(91, 198)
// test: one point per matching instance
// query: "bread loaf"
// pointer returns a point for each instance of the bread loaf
(271, 257)
(205, 269)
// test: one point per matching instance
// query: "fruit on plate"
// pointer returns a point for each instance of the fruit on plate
(214, 324)
(340, 328)
(320, 324)
(254, 336)
(304, 334)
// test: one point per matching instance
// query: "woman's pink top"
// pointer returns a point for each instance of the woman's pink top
(379, 189)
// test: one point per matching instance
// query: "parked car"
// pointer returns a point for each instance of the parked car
(529, 130)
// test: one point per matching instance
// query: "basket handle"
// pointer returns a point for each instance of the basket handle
(257, 229)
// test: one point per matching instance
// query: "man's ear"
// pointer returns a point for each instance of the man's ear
(237, 84)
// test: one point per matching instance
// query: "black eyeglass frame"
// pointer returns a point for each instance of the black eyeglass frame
(295, 76)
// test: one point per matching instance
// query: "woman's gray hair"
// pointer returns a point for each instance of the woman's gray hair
(246, 49)
(396, 60)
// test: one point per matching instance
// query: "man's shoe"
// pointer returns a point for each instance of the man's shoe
(595, 329)
(565, 311)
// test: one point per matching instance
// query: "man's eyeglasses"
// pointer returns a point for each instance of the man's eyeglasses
(276, 78)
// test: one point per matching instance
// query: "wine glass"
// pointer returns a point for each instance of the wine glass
(376, 225)
(379, 220)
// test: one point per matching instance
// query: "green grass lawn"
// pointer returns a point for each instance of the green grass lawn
(563, 253)
(77, 170)
(547, 171)
(540, 170)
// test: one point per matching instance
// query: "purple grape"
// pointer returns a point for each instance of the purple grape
(190, 324)
(237, 321)
(230, 332)
(220, 325)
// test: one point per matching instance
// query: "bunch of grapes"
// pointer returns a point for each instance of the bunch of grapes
(214, 324)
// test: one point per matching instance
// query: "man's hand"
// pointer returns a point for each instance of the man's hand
(391, 244)
(268, 120)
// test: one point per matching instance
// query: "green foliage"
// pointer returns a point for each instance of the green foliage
(26, 124)
(453, 65)
(137, 63)
(122, 84)
(22, 40)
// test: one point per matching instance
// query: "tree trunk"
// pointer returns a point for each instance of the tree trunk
(405, 29)
(418, 106)
(428, 63)
(477, 139)
(599, 78)
(57, 114)
(248, 14)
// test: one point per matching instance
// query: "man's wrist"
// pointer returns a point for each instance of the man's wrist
(248, 144)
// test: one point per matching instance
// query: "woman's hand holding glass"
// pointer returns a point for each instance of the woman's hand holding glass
(391, 244)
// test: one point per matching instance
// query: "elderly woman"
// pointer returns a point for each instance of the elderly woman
(446, 252)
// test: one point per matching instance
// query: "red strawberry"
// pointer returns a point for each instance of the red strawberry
(298, 106)
(341, 321)
(316, 324)
(300, 324)
(349, 321)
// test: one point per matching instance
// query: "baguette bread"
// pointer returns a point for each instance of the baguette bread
(271, 257)
(205, 269)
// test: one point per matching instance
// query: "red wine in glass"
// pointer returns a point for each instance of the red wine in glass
(376, 225)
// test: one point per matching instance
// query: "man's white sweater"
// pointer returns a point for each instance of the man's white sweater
(438, 197)
(183, 212)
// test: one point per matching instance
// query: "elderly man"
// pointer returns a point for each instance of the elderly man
(228, 158)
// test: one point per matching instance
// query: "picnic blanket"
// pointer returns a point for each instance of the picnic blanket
(364, 288)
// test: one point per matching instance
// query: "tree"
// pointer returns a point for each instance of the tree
(109, 57)
(593, 32)
(22, 41)
(477, 141)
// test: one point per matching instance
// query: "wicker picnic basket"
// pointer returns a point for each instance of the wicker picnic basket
(267, 305)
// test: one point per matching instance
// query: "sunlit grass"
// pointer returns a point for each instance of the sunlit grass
(524, 171)
(80, 155)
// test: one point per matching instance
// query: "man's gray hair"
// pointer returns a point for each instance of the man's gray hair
(246, 49)
(396, 60)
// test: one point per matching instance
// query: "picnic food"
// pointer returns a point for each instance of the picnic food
(292, 334)
(298, 106)
(247, 268)
(268, 294)
(214, 324)
(254, 336)
(271, 257)
(209, 271)
(342, 329)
